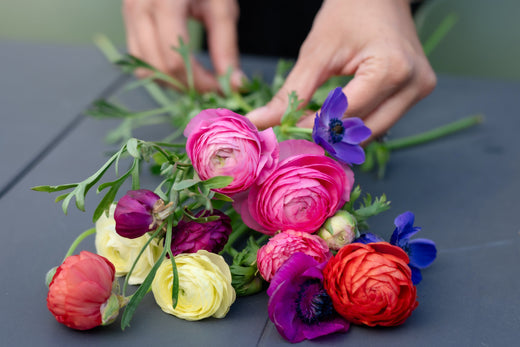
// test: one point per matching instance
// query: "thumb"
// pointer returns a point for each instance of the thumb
(304, 79)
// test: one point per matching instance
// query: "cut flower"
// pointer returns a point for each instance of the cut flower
(371, 284)
(299, 306)
(122, 251)
(422, 252)
(340, 137)
(280, 247)
(80, 288)
(204, 286)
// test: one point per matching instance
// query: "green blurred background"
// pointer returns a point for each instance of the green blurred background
(484, 41)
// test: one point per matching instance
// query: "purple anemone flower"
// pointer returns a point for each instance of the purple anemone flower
(134, 213)
(299, 306)
(422, 252)
(340, 137)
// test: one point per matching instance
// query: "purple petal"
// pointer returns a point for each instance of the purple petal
(404, 228)
(422, 252)
(355, 131)
(368, 238)
(325, 328)
(404, 220)
(416, 275)
(335, 105)
(347, 153)
(292, 268)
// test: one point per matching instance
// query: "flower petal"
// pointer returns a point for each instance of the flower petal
(416, 275)
(368, 238)
(355, 131)
(422, 252)
(335, 105)
(347, 153)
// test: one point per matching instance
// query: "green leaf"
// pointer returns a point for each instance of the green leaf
(292, 114)
(217, 182)
(140, 293)
(132, 148)
(52, 189)
(221, 197)
(185, 184)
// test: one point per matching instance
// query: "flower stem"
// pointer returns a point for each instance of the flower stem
(298, 130)
(78, 240)
(239, 231)
(434, 134)
(242, 103)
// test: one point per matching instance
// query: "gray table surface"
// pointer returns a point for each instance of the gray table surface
(463, 190)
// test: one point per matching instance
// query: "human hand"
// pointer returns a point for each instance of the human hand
(373, 40)
(154, 26)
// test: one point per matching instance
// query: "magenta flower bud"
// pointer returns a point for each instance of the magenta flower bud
(136, 213)
(191, 236)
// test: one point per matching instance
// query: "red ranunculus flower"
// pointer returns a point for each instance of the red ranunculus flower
(371, 284)
(80, 286)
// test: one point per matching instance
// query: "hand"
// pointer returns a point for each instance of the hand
(154, 26)
(373, 40)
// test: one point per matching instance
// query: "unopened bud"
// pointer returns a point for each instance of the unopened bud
(339, 230)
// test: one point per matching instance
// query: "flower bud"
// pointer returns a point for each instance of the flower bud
(245, 277)
(191, 236)
(339, 230)
(138, 213)
(80, 288)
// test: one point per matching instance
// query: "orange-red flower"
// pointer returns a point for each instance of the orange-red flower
(371, 284)
(80, 286)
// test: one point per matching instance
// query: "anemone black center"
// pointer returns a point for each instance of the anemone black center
(313, 304)
(336, 130)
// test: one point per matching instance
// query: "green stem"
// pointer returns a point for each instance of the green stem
(242, 103)
(107, 48)
(239, 231)
(447, 23)
(434, 134)
(298, 130)
(78, 240)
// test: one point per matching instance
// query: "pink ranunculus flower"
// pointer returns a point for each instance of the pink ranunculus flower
(223, 143)
(306, 188)
(280, 247)
(79, 290)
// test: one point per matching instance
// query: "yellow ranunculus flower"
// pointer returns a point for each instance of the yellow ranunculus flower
(122, 252)
(204, 286)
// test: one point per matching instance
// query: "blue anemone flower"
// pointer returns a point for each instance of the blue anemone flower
(340, 137)
(368, 238)
(422, 252)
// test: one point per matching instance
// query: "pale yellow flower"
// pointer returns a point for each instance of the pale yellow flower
(204, 286)
(122, 252)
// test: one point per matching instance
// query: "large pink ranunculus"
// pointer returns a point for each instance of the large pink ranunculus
(223, 143)
(306, 188)
(79, 289)
(280, 247)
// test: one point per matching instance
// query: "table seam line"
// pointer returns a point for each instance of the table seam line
(56, 140)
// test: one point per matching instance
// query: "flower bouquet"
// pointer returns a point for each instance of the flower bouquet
(238, 211)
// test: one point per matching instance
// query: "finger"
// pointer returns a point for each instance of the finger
(304, 79)
(145, 38)
(375, 80)
(171, 23)
(390, 111)
(221, 23)
(131, 11)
